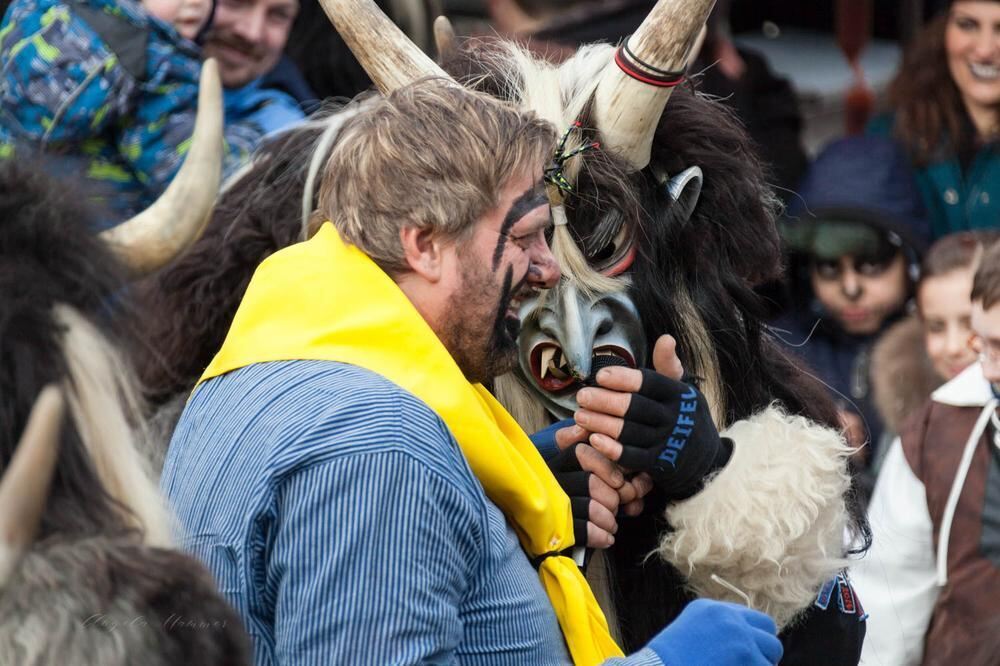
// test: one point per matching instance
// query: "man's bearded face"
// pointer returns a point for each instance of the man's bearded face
(483, 329)
(505, 262)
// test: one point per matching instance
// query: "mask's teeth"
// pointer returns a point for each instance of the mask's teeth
(546, 360)
(560, 367)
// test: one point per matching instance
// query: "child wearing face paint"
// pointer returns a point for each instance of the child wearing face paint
(929, 347)
(931, 580)
(946, 113)
(854, 236)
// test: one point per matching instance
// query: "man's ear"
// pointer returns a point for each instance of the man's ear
(423, 251)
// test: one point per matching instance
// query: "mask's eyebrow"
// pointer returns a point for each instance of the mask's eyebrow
(528, 201)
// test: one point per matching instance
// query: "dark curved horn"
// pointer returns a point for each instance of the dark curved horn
(155, 236)
(388, 55)
(634, 88)
(24, 489)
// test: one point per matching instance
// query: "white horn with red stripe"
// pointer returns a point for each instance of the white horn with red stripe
(635, 87)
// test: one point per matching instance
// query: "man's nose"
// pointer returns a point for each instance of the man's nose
(250, 27)
(545, 271)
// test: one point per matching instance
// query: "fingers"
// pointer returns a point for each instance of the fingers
(570, 435)
(633, 492)
(770, 646)
(627, 493)
(607, 446)
(614, 403)
(643, 484)
(761, 621)
(602, 518)
(633, 508)
(598, 538)
(604, 494)
(600, 466)
(619, 378)
(665, 360)
(763, 631)
(596, 422)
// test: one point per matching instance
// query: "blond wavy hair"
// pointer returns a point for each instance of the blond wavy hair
(432, 155)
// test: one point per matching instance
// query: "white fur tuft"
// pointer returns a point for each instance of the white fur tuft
(771, 522)
(104, 402)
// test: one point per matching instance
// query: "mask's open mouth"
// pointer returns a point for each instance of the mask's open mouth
(551, 369)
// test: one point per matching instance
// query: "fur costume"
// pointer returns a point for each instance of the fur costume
(99, 583)
(703, 296)
(901, 373)
(695, 233)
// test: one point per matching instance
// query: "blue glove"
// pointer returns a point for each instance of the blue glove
(718, 633)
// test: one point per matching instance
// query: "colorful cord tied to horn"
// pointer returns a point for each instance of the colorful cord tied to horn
(556, 182)
(633, 66)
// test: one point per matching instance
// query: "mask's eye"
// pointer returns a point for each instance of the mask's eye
(615, 257)
(605, 237)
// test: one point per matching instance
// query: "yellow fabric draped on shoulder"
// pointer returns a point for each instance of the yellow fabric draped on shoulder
(326, 300)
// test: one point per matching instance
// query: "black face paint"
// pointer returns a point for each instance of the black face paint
(503, 339)
(524, 204)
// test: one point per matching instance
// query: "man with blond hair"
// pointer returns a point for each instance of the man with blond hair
(359, 495)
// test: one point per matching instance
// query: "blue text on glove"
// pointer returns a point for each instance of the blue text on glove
(682, 429)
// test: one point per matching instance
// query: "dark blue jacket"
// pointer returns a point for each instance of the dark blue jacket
(867, 179)
(864, 179)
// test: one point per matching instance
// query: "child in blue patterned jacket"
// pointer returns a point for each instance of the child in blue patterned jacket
(106, 91)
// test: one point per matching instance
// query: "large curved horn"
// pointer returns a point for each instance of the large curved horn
(388, 55)
(24, 489)
(635, 87)
(152, 238)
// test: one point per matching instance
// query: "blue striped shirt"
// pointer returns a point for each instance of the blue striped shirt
(342, 521)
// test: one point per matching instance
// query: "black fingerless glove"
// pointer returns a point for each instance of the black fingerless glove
(576, 483)
(669, 433)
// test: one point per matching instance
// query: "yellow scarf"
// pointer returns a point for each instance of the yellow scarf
(326, 300)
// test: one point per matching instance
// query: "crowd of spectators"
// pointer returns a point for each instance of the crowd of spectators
(892, 286)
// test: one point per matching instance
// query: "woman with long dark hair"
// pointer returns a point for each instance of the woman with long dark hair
(946, 112)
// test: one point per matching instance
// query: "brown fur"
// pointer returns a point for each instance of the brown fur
(901, 373)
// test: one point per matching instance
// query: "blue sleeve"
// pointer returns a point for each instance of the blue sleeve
(545, 439)
(373, 555)
(269, 109)
(60, 81)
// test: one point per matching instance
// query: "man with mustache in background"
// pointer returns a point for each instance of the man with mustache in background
(247, 38)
